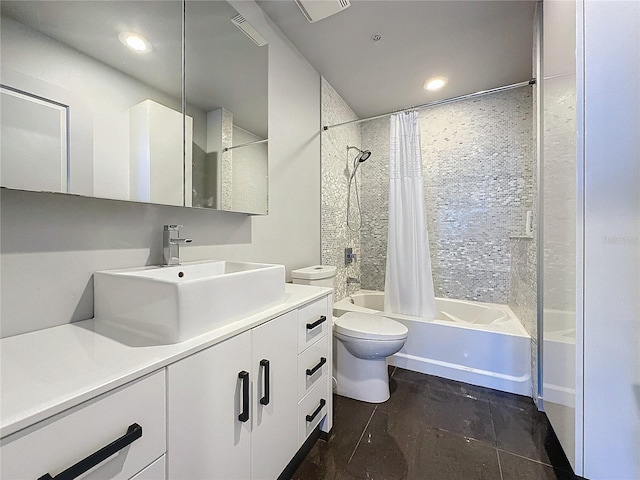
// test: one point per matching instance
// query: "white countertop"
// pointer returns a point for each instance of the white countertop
(46, 372)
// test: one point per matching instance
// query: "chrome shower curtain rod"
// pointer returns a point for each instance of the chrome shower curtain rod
(248, 144)
(438, 102)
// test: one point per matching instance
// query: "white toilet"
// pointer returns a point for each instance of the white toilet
(362, 343)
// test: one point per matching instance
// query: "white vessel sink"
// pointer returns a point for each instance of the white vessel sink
(173, 304)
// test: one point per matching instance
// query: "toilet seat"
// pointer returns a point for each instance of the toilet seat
(369, 327)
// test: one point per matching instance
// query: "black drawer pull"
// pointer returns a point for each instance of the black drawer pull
(310, 418)
(265, 400)
(244, 415)
(311, 371)
(134, 432)
(311, 326)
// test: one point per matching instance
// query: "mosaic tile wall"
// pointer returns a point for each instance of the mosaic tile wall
(375, 201)
(336, 167)
(523, 292)
(478, 164)
(226, 201)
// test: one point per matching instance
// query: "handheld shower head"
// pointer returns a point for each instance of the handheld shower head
(364, 155)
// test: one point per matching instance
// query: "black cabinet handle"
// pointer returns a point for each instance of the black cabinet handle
(311, 371)
(310, 418)
(134, 432)
(311, 326)
(244, 415)
(265, 400)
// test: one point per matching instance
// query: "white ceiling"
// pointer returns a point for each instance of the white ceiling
(478, 45)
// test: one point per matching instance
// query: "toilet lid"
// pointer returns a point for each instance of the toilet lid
(369, 326)
(316, 272)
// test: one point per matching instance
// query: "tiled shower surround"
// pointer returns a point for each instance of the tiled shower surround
(523, 294)
(478, 158)
(336, 167)
(479, 173)
(480, 181)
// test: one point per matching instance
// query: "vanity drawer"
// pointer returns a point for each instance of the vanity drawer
(54, 445)
(312, 409)
(155, 471)
(313, 364)
(314, 321)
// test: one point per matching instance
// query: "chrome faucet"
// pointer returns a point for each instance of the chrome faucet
(171, 245)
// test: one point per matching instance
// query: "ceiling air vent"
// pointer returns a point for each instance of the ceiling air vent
(248, 29)
(316, 10)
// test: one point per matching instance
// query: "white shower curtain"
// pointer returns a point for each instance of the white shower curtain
(408, 281)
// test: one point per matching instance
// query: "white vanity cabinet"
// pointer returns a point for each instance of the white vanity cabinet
(132, 415)
(232, 407)
(314, 386)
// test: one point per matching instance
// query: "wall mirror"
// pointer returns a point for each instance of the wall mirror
(109, 100)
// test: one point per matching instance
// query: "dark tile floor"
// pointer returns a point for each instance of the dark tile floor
(433, 428)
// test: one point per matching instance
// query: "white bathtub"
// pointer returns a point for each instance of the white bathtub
(479, 343)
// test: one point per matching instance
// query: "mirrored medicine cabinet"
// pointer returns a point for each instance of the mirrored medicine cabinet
(163, 102)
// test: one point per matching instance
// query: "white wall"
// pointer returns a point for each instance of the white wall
(600, 430)
(51, 244)
(610, 136)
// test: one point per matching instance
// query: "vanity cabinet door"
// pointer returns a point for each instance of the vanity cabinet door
(209, 422)
(123, 430)
(274, 439)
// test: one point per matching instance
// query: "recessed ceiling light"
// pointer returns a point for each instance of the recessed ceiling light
(435, 83)
(135, 42)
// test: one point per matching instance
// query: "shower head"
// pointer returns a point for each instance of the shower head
(362, 156)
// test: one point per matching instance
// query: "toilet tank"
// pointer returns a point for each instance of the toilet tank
(317, 275)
